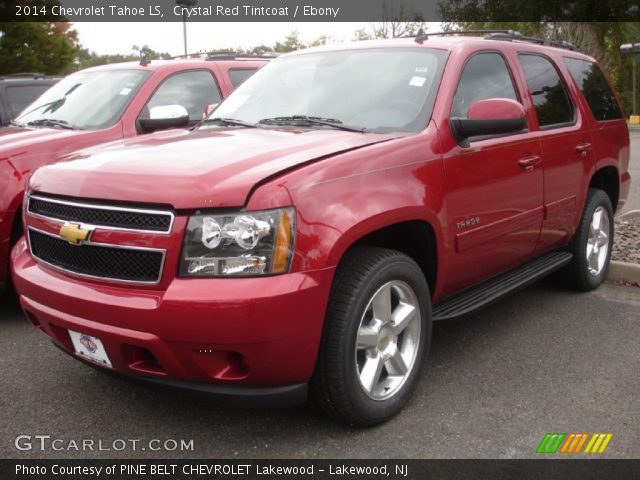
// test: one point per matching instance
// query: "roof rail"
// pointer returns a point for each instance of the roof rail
(505, 35)
(422, 35)
(517, 36)
(24, 75)
(224, 55)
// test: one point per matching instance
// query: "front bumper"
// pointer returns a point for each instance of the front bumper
(6, 224)
(232, 337)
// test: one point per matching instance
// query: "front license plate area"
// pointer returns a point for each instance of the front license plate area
(90, 347)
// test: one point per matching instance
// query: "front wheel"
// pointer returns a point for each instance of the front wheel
(377, 332)
(592, 244)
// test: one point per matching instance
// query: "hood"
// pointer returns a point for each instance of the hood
(192, 169)
(27, 148)
(18, 138)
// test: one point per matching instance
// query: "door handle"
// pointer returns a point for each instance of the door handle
(529, 162)
(583, 149)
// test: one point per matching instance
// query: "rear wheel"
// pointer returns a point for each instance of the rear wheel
(376, 336)
(592, 244)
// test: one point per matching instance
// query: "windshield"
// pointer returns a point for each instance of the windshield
(84, 100)
(376, 90)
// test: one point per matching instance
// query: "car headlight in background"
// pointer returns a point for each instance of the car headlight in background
(248, 243)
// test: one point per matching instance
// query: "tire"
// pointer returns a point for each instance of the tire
(392, 352)
(591, 250)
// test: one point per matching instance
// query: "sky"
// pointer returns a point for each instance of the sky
(111, 37)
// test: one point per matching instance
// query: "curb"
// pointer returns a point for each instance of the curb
(624, 271)
(629, 214)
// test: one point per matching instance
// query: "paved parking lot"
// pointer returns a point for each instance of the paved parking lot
(543, 360)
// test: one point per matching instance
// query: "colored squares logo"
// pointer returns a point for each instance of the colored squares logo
(574, 443)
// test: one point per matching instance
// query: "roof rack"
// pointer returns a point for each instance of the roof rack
(504, 35)
(517, 36)
(23, 75)
(224, 55)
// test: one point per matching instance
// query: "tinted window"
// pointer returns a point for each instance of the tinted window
(239, 75)
(549, 94)
(484, 76)
(21, 96)
(193, 90)
(595, 89)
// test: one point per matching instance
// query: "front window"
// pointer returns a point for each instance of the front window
(85, 100)
(375, 90)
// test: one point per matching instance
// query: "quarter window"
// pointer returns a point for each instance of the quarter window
(595, 89)
(239, 75)
(484, 76)
(550, 97)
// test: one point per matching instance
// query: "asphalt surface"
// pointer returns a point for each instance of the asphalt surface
(543, 360)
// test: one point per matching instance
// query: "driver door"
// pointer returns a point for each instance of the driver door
(495, 185)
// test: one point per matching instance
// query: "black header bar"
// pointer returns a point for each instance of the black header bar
(317, 10)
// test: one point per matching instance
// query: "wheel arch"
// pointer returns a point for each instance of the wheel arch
(412, 235)
(607, 178)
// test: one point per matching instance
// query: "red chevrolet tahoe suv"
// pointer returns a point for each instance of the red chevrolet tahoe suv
(103, 104)
(335, 205)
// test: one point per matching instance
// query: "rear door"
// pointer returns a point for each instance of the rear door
(567, 150)
(494, 201)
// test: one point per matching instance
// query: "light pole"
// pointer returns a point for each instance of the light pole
(187, 4)
(633, 49)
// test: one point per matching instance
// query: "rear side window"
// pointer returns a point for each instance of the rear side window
(239, 75)
(595, 89)
(550, 97)
(485, 75)
(21, 96)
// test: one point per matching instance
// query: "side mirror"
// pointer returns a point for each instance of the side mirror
(493, 116)
(165, 116)
(208, 110)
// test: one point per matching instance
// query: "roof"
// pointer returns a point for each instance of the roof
(156, 65)
(445, 42)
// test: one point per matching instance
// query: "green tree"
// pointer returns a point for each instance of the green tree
(44, 47)
(86, 59)
(291, 42)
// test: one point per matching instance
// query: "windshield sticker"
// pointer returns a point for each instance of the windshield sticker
(125, 91)
(422, 69)
(417, 81)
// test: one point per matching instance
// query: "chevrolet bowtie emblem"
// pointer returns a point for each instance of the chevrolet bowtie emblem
(73, 233)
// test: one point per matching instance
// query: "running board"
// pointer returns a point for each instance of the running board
(488, 292)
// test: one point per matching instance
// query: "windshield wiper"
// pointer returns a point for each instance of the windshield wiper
(304, 120)
(13, 123)
(230, 121)
(50, 122)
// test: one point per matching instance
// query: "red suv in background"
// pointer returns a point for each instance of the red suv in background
(338, 202)
(103, 104)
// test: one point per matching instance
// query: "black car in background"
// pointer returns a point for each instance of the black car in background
(19, 90)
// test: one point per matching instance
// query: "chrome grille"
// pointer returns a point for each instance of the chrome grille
(154, 221)
(110, 262)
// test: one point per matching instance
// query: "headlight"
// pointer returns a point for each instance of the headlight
(252, 243)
